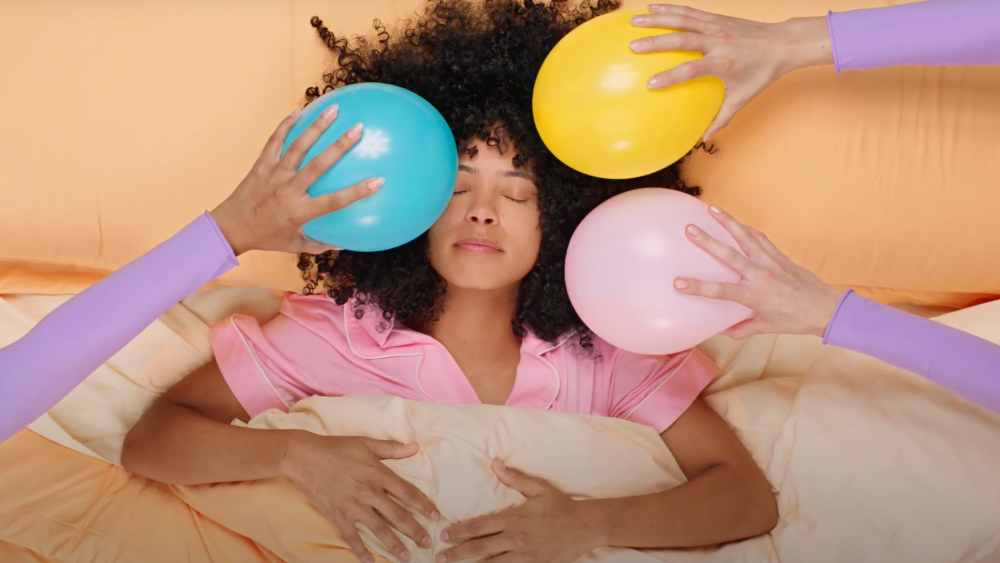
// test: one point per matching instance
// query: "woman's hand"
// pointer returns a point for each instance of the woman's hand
(550, 527)
(747, 55)
(344, 479)
(270, 206)
(784, 297)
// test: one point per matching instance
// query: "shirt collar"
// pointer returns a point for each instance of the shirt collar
(371, 336)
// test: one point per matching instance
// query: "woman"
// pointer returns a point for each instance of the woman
(474, 311)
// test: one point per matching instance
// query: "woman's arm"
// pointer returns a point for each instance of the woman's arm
(265, 212)
(94, 325)
(186, 438)
(956, 360)
(749, 56)
(932, 33)
(786, 298)
(726, 498)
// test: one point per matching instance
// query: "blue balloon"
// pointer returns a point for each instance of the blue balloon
(406, 141)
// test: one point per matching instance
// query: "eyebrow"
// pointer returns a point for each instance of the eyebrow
(509, 173)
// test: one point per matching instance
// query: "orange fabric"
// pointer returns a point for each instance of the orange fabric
(123, 121)
(65, 506)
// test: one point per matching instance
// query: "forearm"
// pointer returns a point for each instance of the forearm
(724, 503)
(961, 362)
(176, 445)
(933, 33)
(74, 340)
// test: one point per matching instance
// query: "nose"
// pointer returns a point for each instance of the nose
(482, 212)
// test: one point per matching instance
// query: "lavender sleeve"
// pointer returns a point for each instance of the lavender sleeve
(959, 361)
(74, 340)
(930, 33)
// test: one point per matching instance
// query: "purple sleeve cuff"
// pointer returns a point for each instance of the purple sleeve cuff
(74, 340)
(931, 33)
(959, 361)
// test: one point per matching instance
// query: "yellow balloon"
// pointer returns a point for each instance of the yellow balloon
(594, 112)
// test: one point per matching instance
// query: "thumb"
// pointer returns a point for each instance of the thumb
(390, 449)
(524, 484)
(725, 115)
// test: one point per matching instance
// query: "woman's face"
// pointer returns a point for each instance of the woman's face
(489, 236)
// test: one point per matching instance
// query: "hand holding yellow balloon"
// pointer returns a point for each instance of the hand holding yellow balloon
(594, 111)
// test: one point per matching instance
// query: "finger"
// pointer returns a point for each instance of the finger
(296, 153)
(525, 484)
(389, 449)
(719, 250)
(749, 244)
(671, 42)
(673, 21)
(330, 155)
(478, 549)
(681, 11)
(409, 495)
(272, 148)
(681, 73)
(402, 520)
(475, 528)
(381, 530)
(770, 249)
(744, 329)
(722, 119)
(353, 539)
(328, 203)
(712, 290)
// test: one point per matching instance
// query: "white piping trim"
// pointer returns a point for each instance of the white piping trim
(416, 374)
(555, 372)
(232, 321)
(658, 387)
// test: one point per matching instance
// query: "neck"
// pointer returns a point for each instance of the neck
(477, 324)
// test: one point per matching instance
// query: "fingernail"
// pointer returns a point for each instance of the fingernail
(404, 555)
(441, 558)
(444, 536)
(694, 230)
(426, 542)
(375, 183)
(680, 284)
(636, 45)
(331, 112)
(653, 7)
(639, 19)
(435, 515)
(715, 209)
(653, 82)
(355, 132)
(296, 112)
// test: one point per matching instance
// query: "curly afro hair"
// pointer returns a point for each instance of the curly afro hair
(476, 62)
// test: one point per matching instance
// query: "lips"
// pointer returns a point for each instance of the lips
(478, 245)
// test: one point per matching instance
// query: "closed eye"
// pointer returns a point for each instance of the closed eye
(515, 200)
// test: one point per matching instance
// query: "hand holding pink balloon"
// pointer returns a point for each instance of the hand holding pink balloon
(785, 297)
(622, 260)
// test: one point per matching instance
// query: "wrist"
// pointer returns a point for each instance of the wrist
(805, 43)
(825, 310)
(595, 523)
(294, 444)
(230, 227)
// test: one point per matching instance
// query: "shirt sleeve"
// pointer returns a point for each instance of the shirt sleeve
(932, 33)
(93, 326)
(266, 367)
(959, 361)
(656, 390)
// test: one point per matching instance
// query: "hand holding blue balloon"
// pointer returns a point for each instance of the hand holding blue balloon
(406, 142)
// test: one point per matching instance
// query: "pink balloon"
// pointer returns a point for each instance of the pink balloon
(621, 265)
